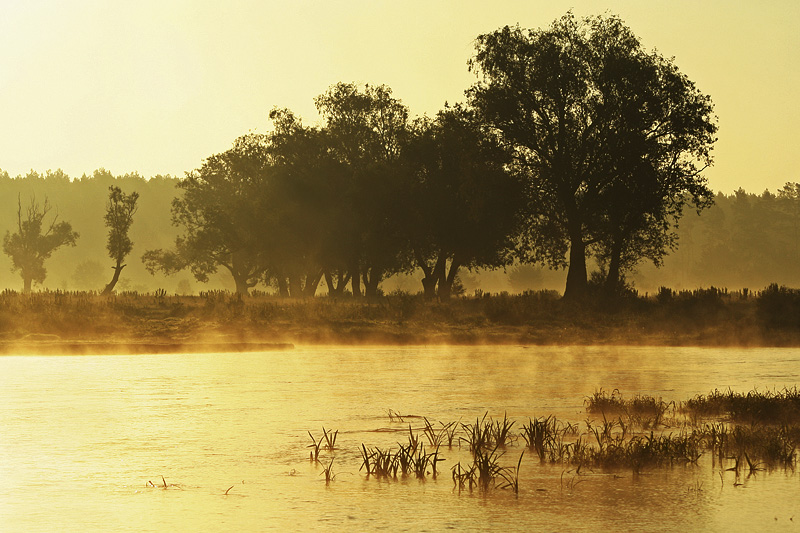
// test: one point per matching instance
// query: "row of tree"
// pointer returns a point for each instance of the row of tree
(575, 144)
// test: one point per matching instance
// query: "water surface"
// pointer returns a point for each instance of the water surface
(82, 437)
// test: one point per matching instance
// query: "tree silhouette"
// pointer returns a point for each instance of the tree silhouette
(366, 128)
(219, 214)
(118, 218)
(462, 202)
(590, 117)
(35, 241)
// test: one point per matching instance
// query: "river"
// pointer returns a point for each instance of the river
(86, 440)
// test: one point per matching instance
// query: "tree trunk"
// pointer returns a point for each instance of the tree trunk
(241, 284)
(295, 286)
(312, 282)
(429, 280)
(356, 281)
(576, 275)
(110, 287)
(446, 282)
(333, 290)
(371, 282)
(283, 287)
(429, 287)
(26, 284)
(612, 284)
(336, 283)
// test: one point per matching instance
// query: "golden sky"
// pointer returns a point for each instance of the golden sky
(155, 86)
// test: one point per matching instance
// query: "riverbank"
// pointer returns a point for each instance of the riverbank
(88, 321)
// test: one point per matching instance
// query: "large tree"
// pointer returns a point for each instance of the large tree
(35, 241)
(220, 215)
(612, 138)
(462, 200)
(366, 127)
(303, 205)
(118, 218)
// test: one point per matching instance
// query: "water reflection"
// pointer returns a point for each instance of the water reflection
(83, 435)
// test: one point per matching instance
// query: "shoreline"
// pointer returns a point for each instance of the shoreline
(88, 323)
(134, 348)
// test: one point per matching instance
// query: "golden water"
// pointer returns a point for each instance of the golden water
(82, 436)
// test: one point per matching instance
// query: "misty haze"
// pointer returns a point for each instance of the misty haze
(537, 272)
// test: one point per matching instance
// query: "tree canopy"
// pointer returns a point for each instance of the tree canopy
(612, 140)
(461, 199)
(219, 214)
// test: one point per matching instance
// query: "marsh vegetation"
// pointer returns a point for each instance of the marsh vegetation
(742, 433)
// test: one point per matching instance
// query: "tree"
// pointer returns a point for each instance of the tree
(35, 241)
(220, 214)
(462, 201)
(366, 128)
(118, 218)
(612, 139)
(304, 205)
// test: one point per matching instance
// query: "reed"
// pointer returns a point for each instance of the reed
(443, 435)
(766, 407)
(327, 472)
(511, 476)
(315, 447)
(500, 432)
(540, 434)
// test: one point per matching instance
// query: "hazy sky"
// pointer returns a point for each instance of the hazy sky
(155, 86)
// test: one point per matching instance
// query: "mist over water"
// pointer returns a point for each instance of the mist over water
(82, 436)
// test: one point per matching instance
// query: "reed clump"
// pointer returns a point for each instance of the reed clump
(635, 437)
(409, 459)
(766, 407)
(641, 410)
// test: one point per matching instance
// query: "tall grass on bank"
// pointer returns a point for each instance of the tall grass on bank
(705, 316)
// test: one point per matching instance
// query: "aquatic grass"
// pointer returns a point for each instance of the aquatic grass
(463, 477)
(610, 443)
(440, 436)
(641, 410)
(485, 434)
(477, 436)
(315, 445)
(380, 463)
(766, 407)
(328, 438)
(500, 432)
(511, 476)
(163, 484)
(540, 434)
(328, 473)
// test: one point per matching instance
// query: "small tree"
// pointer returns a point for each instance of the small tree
(32, 244)
(119, 216)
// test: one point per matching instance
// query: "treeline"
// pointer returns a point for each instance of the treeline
(745, 240)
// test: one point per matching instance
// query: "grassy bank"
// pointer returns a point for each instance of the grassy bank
(710, 317)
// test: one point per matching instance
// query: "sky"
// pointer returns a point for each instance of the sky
(156, 86)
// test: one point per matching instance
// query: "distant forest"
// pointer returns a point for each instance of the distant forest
(744, 240)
